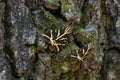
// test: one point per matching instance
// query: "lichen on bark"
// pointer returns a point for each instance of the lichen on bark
(59, 39)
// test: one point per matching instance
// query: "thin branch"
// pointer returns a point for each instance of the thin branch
(88, 48)
(83, 52)
(58, 33)
(67, 31)
(54, 42)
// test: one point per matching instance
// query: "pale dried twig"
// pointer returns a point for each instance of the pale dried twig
(67, 31)
(54, 42)
(78, 57)
(81, 58)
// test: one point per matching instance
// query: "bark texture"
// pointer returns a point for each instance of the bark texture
(59, 39)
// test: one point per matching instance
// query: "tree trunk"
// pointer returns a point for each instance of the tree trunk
(59, 39)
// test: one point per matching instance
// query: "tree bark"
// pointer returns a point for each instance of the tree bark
(59, 39)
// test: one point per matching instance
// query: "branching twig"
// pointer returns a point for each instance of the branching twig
(81, 58)
(54, 42)
(67, 31)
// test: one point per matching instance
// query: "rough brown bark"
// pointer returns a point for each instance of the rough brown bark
(59, 39)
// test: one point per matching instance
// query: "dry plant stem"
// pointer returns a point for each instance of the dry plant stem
(82, 58)
(77, 57)
(58, 33)
(54, 42)
(84, 54)
(67, 31)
